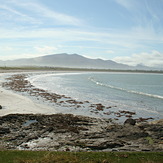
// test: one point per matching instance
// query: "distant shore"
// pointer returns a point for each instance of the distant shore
(27, 69)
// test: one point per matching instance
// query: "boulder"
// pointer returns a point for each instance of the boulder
(130, 121)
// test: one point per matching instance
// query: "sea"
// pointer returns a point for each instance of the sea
(141, 93)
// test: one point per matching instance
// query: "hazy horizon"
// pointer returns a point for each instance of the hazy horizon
(73, 61)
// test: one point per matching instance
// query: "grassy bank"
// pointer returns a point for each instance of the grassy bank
(79, 157)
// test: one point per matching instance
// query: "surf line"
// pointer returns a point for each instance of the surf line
(122, 89)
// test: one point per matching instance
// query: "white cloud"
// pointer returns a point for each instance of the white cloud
(33, 11)
(153, 59)
(6, 48)
(46, 49)
(37, 34)
(29, 55)
(11, 15)
(146, 17)
(110, 51)
(18, 56)
(59, 17)
(128, 4)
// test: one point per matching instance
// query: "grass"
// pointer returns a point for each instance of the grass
(79, 157)
(150, 140)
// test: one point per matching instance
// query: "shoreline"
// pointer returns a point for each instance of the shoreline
(27, 125)
(13, 103)
(42, 100)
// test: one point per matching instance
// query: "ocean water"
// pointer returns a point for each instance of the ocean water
(138, 92)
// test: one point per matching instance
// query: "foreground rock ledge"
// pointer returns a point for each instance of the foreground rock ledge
(66, 132)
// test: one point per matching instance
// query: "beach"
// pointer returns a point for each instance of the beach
(14, 103)
(29, 125)
(46, 102)
(19, 94)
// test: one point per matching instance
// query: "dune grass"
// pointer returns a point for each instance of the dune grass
(79, 157)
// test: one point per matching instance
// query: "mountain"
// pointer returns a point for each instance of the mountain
(68, 60)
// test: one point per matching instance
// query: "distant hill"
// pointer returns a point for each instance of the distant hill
(70, 61)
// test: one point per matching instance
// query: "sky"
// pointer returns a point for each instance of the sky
(125, 31)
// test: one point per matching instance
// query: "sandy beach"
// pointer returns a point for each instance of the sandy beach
(13, 103)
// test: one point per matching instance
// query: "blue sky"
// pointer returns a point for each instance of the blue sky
(126, 31)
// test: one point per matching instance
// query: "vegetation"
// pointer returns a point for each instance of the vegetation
(79, 157)
(26, 68)
(150, 140)
(77, 69)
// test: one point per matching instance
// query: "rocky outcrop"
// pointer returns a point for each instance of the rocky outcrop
(4, 130)
(130, 121)
(66, 132)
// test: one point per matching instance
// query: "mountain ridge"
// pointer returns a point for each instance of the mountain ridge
(70, 61)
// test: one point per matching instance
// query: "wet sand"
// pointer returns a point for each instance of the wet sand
(13, 103)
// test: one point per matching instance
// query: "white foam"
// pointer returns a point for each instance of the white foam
(122, 89)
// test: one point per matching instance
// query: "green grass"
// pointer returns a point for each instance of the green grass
(150, 140)
(79, 157)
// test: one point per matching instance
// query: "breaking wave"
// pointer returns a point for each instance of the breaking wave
(123, 89)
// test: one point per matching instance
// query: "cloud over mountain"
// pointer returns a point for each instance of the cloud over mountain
(153, 59)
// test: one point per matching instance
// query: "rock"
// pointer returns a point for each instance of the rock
(104, 145)
(4, 130)
(130, 121)
(0, 107)
(100, 107)
(60, 132)
(143, 119)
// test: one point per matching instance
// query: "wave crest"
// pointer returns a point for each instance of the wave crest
(123, 89)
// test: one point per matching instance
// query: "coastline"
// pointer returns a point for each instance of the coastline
(20, 86)
(45, 102)
(27, 125)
